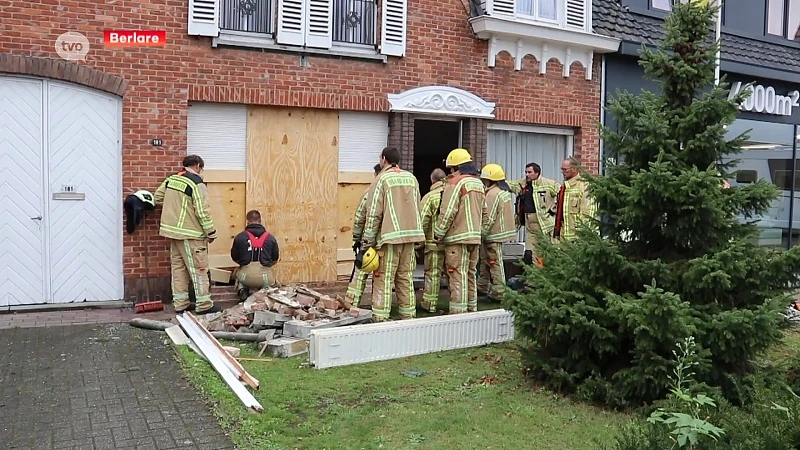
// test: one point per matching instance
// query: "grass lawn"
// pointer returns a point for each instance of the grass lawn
(464, 399)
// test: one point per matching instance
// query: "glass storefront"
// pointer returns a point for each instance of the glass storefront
(769, 154)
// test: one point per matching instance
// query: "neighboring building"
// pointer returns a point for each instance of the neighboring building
(290, 103)
(759, 45)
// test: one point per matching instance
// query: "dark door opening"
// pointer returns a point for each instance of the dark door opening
(433, 140)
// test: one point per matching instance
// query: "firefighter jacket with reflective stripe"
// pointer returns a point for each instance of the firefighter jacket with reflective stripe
(578, 207)
(429, 210)
(360, 218)
(461, 215)
(185, 213)
(498, 225)
(545, 193)
(393, 209)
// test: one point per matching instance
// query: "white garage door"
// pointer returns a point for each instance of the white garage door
(60, 195)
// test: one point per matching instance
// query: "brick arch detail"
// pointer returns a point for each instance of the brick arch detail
(63, 70)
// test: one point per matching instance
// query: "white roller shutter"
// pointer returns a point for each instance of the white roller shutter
(217, 132)
(362, 137)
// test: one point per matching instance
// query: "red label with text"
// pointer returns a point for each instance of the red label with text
(134, 38)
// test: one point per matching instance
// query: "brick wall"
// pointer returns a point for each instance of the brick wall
(157, 83)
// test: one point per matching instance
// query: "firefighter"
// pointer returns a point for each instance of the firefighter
(186, 222)
(574, 204)
(536, 196)
(433, 253)
(458, 228)
(498, 227)
(392, 228)
(355, 291)
(256, 252)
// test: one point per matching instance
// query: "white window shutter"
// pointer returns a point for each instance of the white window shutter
(319, 33)
(204, 18)
(576, 14)
(507, 7)
(292, 22)
(393, 27)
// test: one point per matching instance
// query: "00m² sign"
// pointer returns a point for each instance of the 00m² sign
(764, 100)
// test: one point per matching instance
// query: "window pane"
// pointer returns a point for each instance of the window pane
(525, 7)
(666, 5)
(354, 21)
(513, 149)
(775, 17)
(794, 20)
(767, 155)
(547, 9)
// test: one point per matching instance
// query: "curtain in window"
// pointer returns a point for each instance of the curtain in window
(525, 7)
(547, 9)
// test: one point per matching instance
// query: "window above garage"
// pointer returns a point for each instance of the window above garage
(370, 29)
(544, 29)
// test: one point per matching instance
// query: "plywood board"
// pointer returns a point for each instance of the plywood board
(292, 159)
(356, 177)
(227, 201)
(346, 204)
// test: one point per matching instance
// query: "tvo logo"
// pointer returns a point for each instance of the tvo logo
(72, 46)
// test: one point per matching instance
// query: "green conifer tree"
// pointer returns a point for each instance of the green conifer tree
(606, 312)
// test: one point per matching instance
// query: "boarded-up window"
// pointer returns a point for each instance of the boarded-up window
(217, 132)
(513, 147)
(362, 137)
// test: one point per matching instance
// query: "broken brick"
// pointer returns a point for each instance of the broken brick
(304, 300)
(260, 307)
(302, 315)
(330, 312)
(354, 312)
(329, 303)
(233, 351)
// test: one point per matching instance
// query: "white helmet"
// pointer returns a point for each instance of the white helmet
(146, 197)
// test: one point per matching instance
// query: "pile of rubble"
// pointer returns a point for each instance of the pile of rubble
(291, 310)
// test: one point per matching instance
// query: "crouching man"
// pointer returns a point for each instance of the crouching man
(255, 250)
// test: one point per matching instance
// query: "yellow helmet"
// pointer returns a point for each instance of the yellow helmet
(367, 261)
(458, 157)
(493, 172)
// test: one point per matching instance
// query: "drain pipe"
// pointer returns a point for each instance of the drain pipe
(160, 325)
(601, 162)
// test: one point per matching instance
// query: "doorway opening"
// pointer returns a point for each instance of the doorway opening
(433, 140)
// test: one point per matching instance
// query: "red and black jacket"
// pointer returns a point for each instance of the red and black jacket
(255, 244)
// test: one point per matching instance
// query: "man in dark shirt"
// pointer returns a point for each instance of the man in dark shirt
(255, 250)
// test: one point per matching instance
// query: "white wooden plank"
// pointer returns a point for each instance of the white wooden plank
(216, 360)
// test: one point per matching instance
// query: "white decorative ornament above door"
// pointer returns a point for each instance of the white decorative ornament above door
(441, 100)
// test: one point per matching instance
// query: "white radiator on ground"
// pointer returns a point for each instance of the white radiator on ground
(358, 344)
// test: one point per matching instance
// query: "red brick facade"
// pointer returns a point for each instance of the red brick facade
(156, 84)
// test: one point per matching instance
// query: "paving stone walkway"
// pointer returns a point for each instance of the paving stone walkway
(100, 386)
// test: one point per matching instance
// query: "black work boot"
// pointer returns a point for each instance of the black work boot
(243, 293)
(213, 309)
(528, 258)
